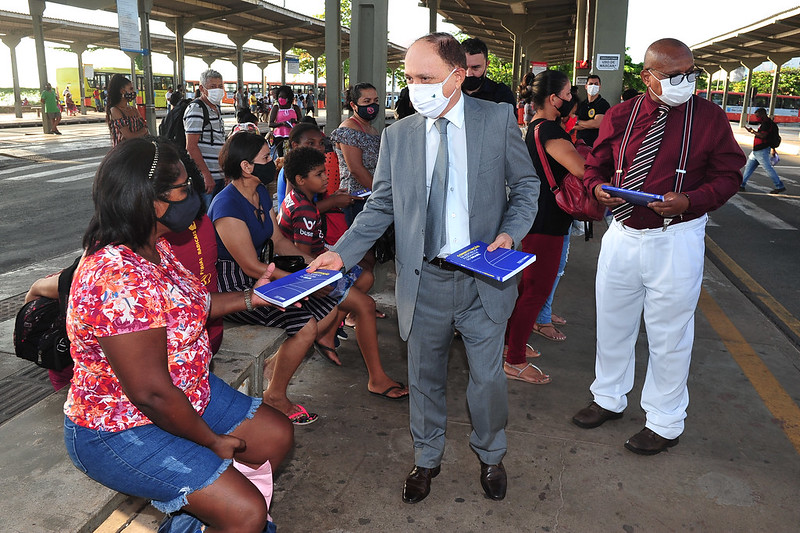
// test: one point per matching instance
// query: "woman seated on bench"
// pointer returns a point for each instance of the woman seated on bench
(144, 416)
(244, 220)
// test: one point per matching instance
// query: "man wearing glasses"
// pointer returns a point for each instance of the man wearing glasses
(651, 259)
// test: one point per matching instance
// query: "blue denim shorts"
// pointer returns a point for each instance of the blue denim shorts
(151, 463)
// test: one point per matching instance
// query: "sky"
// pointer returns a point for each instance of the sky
(691, 21)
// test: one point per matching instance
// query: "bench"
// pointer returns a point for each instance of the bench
(42, 489)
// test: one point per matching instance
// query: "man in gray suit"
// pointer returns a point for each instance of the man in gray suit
(441, 178)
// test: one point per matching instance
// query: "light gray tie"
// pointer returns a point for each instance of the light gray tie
(435, 228)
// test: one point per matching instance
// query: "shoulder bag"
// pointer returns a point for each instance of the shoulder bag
(572, 197)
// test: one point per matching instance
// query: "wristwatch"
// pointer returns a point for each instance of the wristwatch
(248, 299)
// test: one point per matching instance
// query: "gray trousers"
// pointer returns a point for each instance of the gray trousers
(447, 300)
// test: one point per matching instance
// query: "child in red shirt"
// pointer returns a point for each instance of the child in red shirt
(299, 221)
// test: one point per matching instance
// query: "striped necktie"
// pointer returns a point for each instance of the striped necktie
(643, 161)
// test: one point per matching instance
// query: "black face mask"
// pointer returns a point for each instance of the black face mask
(472, 83)
(565, 107)
(179, 215)
(265, 172)
(368, 112)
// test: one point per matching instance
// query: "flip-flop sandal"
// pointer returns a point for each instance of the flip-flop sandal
(301, 417)
(557, 336)
(557, 320)
(325, 352)
(349, 322)
(530, 352)
(385, 394)
(512, 372)
(379, 314)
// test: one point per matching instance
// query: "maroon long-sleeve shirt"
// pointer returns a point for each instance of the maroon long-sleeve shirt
(713, 171)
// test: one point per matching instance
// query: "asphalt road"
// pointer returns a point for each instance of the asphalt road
(45, 201)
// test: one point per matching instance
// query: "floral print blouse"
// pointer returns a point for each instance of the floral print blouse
(116, 291)
(133, 122)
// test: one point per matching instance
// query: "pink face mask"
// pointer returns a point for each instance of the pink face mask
(282, 101)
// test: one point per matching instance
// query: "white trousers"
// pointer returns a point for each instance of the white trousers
(658, 273)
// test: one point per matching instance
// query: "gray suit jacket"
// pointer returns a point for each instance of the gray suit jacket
(497, 158)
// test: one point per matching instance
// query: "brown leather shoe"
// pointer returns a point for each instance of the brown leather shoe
(593, 416)
(493, 480)
(648, 442)
(418, 483)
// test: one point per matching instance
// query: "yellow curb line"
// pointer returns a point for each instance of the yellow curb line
(755, 288)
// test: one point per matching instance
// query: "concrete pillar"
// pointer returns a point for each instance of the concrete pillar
(180, 27)
(368, 48)
(133, 55)
(36, 9)
(581, 41)
(610, 26)
(315, 53)
(728, 68)
(11, 41)
(778, 59)
(172, 56)
(145, 7)
(333, 65)
(263, 66)
(433, 8)
(283, 47)
(239, 39)
(208, 60)
(517, 26)
(744, 118)
(79, 49)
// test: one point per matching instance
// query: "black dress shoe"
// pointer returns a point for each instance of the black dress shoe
(593, 416)
(493, 480)
(648, 442)
(418, 483)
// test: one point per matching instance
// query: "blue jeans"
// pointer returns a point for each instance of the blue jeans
(545, 315)
(761, 157)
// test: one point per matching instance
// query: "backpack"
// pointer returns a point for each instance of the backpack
(774, 138)
(40, 329)
(171, 126)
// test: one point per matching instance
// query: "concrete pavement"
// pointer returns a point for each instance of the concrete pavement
(736, 468)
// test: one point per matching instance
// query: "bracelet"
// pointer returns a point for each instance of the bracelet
(690, 201)
(248, 302)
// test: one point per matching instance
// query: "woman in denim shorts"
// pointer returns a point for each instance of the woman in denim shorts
(144, 416)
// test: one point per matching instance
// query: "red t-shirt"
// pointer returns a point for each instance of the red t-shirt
(300, 222)
(196, 249)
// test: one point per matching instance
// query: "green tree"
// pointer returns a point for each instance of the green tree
(631, 78)
(789, 82)
(500, 71)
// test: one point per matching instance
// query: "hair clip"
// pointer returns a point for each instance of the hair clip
(155, 162)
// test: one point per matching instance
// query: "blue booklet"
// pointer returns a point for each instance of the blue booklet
(289, 289)
(633, 197)
(500, 264)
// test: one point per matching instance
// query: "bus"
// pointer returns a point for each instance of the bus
(230, 89)
(302, 88)
(787, 107)
(101, 78)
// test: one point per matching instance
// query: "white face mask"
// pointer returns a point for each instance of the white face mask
(215, 96)
(592, 90)
(675, 95)
(428, 98)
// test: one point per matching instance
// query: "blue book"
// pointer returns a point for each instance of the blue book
(289, 289)
(500, 264)
(633, 197)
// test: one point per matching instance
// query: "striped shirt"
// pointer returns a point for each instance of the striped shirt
(212, 137)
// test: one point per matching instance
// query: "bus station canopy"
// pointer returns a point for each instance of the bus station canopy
(68, 33)
(549, 25)
(776, 39)
(255, 19)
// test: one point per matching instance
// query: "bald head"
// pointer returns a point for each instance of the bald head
(667, 51)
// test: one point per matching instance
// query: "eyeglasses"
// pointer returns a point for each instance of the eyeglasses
(185, 185)
(677, 79)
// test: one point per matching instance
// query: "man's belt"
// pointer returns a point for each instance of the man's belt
(441, 263)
